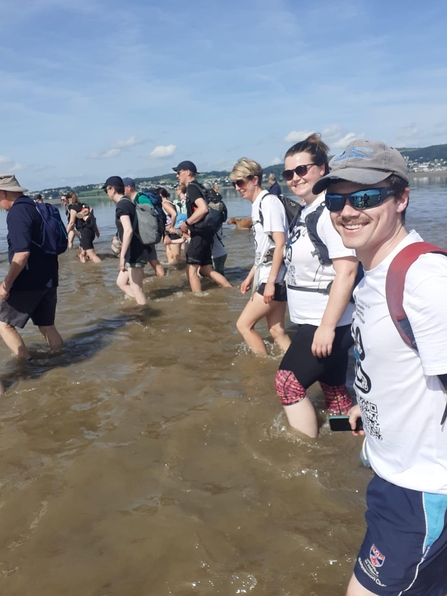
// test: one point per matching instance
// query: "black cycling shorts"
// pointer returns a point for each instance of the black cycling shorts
(308, 368)
(87, 237)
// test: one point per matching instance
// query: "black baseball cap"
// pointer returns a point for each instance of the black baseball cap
(113, 181)
(186, 165)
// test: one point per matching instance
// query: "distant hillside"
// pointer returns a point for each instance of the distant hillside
(425, 153)
(435, 156)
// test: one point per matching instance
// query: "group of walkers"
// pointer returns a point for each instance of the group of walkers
(347, 211)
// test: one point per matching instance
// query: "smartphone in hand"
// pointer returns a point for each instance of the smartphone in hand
(341, 423)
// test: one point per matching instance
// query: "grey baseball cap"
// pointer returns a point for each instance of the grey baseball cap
(364, 162)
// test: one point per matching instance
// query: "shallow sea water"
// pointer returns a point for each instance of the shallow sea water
(152, 456)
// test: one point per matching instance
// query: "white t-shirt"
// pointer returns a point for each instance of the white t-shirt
(304, 270)
(274, 220)
(401, 398)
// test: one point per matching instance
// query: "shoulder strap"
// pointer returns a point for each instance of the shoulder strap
(394, 290)
(201, 189)
(394, 286)
(321, 250)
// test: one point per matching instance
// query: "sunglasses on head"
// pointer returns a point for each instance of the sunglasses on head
(361, 199)
(242, 181)
(299, 171)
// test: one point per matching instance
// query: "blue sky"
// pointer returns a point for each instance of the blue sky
(94, 88)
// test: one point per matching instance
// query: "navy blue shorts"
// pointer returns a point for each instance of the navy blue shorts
(405, 546)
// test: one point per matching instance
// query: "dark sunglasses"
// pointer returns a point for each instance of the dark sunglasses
(299, 171)
(361, 199)
(107, 189)
(242, 181)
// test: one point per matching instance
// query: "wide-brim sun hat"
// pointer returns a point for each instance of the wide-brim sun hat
(9, 183)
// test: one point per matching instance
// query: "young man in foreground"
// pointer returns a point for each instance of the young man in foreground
(400, 392)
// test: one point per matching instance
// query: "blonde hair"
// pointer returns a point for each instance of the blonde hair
(244, 168)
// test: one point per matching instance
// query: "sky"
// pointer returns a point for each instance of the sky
(94, 88)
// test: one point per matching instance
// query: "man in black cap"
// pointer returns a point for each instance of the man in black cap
(29, 290)
(133, 255)
(198, 253)
(131, 193)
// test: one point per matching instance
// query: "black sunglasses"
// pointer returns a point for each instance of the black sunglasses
(299, 171)
(361, 199)
(242, 181)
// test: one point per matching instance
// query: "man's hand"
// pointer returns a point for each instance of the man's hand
(354, 413)
(4, 291)
(184, 227)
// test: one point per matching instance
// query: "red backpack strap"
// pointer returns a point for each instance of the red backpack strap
(395, 282)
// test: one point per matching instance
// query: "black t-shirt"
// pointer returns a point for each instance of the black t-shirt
(193, 192)
(126, 207)
(79, 224)
(24, 234)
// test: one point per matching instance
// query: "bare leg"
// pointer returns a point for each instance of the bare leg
(193, 278)
(91, 254)
(355, 588)
(254, 311)
(136, 275)
(14, 341)
(275, 321)
(71, 236)
(122, 281)
(51, 334)
(157, 267)
(302, 417)
(218, 278)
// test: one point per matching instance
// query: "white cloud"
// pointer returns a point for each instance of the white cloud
(276, 161)
(297, 135)
(161, 151)
(341, 143)
(117, 147)
(7, 165)
(131, 142)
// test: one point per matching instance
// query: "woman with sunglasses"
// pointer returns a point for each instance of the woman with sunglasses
(320, 276)
(266, 278)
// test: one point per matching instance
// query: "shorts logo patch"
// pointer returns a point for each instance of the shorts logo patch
(376, 557)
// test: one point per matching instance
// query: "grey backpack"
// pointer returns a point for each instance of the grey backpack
(145, 225)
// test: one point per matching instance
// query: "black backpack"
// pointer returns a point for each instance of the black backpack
(217, 211)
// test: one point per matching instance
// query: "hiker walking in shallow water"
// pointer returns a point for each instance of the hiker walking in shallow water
(266, 278)
(29, 289)
(401, 391)
(320, 277)
(198, 253)
(133, 254)
(82, 219)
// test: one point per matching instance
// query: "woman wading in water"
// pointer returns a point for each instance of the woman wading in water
(320, 278)
(266, 278)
